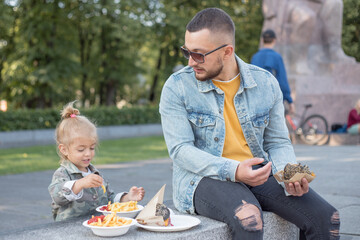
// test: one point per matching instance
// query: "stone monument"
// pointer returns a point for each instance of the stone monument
(309, 39)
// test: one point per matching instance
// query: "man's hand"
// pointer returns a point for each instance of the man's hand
(297, 189)
(291, 108)
(245, 173)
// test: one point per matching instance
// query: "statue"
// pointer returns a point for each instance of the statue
(309, 33)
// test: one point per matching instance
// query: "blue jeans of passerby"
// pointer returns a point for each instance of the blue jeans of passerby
(225, 200)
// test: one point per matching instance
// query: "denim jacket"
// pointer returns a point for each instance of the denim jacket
(194, 127)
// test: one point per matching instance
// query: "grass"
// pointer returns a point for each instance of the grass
(39, 158)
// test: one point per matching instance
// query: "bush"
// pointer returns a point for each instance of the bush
(27, 119)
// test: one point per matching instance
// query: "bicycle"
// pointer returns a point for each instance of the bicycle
(312, 130)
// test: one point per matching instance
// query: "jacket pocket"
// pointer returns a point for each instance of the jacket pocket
(203, 126)
(260, 122)
(201, 120)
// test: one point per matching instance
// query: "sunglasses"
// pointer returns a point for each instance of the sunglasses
(198, 57)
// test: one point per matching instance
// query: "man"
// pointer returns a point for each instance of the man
(224, 127)
(272, 61)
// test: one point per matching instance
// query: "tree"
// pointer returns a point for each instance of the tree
(8, 18)
(169, 33)
(102, 51)
(39, 70)
(84, 16)
(120, 39)
(351, 28)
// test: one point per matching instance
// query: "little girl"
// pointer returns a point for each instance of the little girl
(77, 187)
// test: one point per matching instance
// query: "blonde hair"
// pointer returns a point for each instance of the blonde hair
(71, 125)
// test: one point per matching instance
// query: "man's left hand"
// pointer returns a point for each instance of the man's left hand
(291, 108)
(297, 189)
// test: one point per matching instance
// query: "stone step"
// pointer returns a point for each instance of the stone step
(335, 139)
(275, 228)
(338, 139)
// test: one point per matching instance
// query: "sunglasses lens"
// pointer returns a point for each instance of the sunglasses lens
(185, 52)
(198, 57)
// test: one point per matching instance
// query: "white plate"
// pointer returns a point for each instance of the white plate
(129, 214)
(110, 231)
(179, 222)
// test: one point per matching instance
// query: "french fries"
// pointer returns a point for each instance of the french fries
(122, 206)
(103, 187)
(111, 220)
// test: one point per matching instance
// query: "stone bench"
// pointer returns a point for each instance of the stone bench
(339, 139)
(335, 139)
(275, 228)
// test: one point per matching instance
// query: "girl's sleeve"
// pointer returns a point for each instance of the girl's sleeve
(72, 196)
(57, 189)
(119, 196)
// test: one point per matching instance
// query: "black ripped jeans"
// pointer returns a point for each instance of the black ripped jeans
(221, 200)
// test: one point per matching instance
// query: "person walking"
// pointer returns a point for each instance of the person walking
(224, 127)
(268, 59)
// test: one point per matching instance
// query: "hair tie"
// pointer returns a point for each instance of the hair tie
(73, 115)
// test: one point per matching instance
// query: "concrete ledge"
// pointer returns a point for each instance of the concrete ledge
(275, 228)
(335, 139)
(125, 131)
(28, 138)
(295, 139)
(338, 139)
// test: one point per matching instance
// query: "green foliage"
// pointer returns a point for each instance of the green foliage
(170, 32)
(40, 68)
(107, 51)
(105, 116)
(26, 119)
(102, 52)
(351, 28)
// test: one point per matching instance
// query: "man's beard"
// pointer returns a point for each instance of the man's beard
(211, 74)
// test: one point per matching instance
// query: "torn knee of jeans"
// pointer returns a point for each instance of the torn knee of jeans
(249, 217)
(335, 221)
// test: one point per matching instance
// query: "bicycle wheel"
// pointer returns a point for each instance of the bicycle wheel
(314, 130)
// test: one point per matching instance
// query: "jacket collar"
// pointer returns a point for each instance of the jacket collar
(247, 81)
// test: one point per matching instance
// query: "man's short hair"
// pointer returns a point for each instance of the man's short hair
(214, 19)
(269, 36)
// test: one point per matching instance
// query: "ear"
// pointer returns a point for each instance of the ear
(229, 51)
(63, 149)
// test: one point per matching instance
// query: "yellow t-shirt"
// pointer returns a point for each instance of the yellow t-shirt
(235, 146)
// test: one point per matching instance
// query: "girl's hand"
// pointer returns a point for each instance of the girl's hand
(90, 181)
(135, 194)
